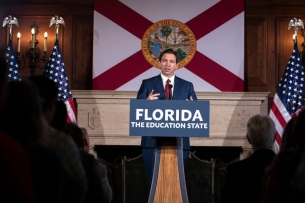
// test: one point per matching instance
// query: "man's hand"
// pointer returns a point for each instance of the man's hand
(153, 96)
(191, 99)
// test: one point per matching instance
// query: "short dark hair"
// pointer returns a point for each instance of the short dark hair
(47, 89)
(60, 117)
(169, 51)
(76, 133)
(29, 119)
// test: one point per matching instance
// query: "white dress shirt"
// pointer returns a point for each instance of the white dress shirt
(172, 82)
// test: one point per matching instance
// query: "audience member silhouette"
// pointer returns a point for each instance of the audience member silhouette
(284, 178)
(95, 192)
(16, 181)
(298, 180)
(275, 184)
(288, 138)
(244, 178)
(106, 187)
(59, 120)
(25, 123)
(74, 178)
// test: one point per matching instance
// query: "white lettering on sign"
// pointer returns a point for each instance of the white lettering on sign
(137, 124)
(168, 115)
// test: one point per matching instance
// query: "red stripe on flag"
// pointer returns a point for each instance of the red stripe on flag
(217, 76)
(68, 118)
(121, 73)
(127, 19)
(123, 16)
(278, 138)
(71, 113)
(212, 19)
(278, 115)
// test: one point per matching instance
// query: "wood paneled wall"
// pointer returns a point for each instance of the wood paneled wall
(75, 40)
(268, 42)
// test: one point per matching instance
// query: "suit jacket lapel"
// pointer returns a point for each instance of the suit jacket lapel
(160, 89)
(177, 88)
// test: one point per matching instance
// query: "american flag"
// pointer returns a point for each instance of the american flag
(55, 70)
(13, 72)
(289, 98)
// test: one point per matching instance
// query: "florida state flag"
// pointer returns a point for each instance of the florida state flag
(130, 35)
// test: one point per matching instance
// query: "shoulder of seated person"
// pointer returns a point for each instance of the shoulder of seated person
(102, 169)
(58, 136)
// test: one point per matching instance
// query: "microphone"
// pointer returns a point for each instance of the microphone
(170, 86)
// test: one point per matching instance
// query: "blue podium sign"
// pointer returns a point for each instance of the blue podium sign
(169, 118)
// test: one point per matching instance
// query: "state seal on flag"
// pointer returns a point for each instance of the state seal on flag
(169, 34)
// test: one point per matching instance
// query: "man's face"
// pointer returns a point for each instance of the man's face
(168, 65)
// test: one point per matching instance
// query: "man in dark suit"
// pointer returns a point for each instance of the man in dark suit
(153, 89)
(95, 188)
(244, 178)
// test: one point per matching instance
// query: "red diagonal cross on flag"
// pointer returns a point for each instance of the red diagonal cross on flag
(201, 65)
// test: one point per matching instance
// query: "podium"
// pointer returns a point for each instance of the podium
(169, 120)
(168, 183)
(105, 114)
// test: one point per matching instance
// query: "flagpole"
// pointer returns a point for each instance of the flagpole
(9, 21)
(11, 60)
(303, 45)
(288, 100)
(57, 21)
(295, 23)
(55, 70)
